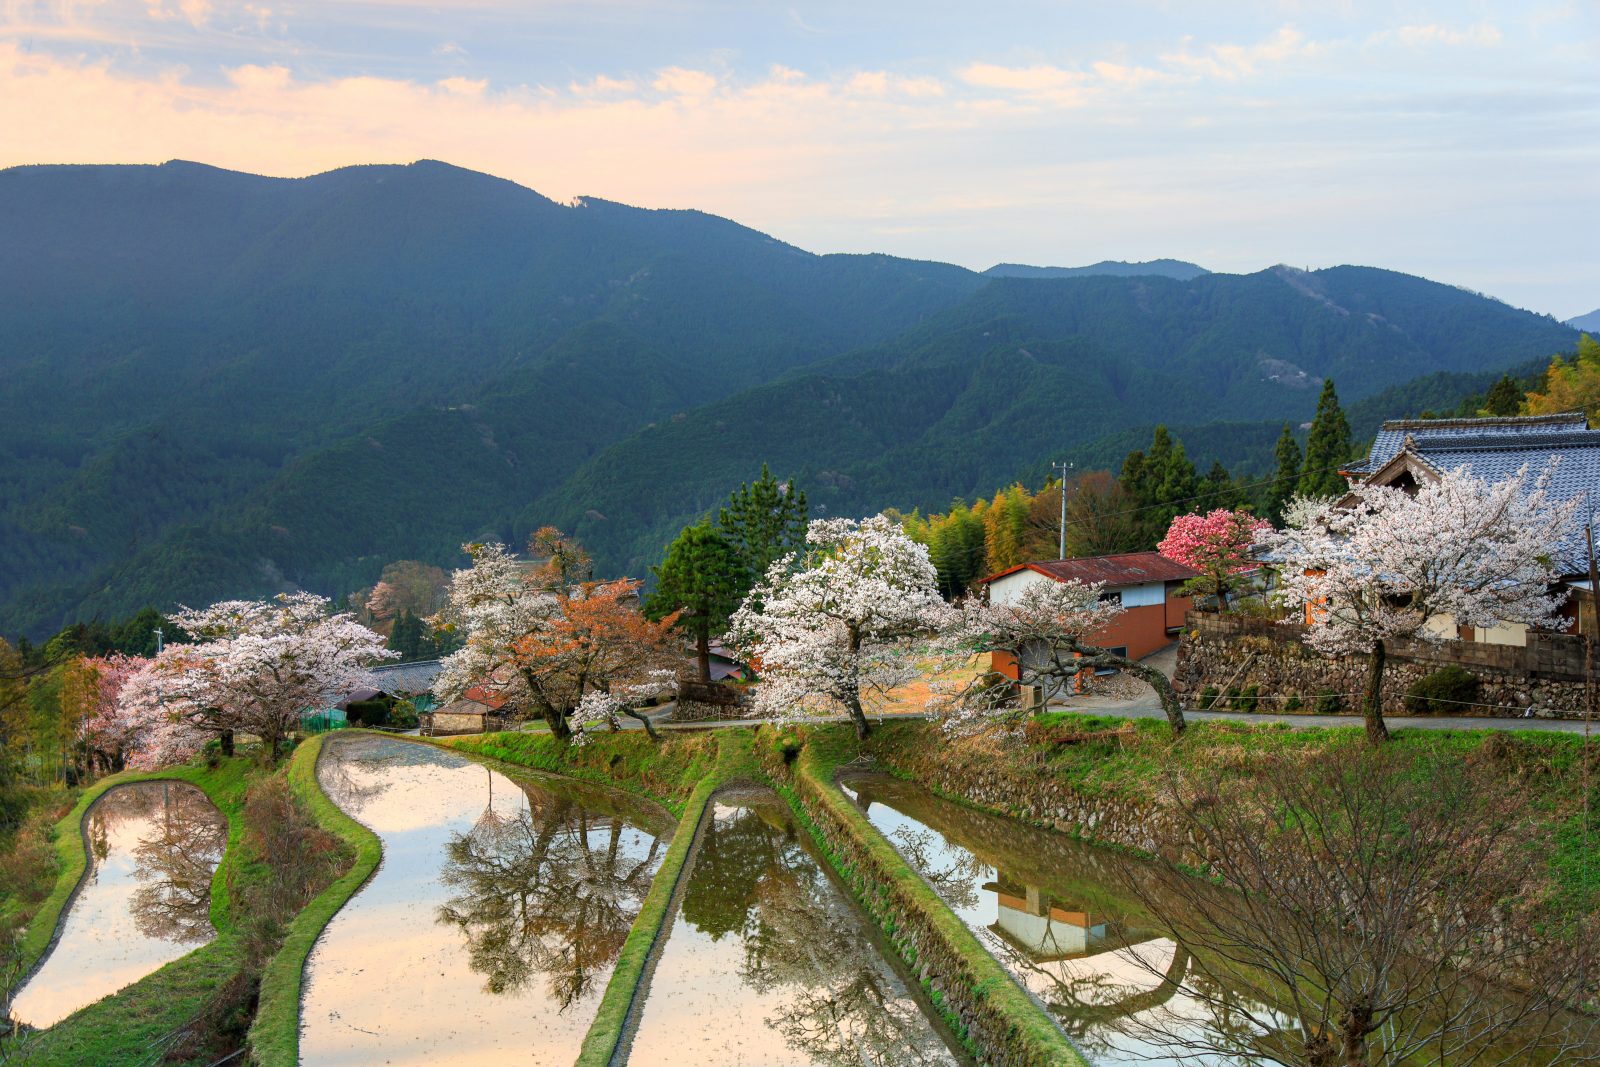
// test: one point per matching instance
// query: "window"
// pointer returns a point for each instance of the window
(1114, 597)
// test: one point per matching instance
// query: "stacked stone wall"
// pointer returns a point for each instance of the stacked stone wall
(1543, 679)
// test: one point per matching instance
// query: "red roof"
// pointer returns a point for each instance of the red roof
(1123, 568)
(490, 697)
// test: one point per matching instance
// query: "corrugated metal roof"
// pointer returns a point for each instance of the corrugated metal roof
(1123, 568)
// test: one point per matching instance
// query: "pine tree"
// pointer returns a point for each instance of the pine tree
(1327, 447)
(1216, 489)
(703, 579)
(1504, 398)
(1287, 478)
(1161, 482)
(764, 521)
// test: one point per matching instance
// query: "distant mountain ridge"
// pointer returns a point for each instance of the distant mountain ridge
(1116, 268)
(1589, 323)
(223, 384)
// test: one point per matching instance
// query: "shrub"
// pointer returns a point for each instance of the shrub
(1449, 689)
(1329, 702)
(1248, 699)
(1231, 699)
(403, 715)
(1293, 703)
(367, 713)
(1208, 696)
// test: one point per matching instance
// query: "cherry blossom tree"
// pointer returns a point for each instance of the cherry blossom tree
(1049, 631)
(1459, 550)
(91, 693)
(545, 640)
(605, 708)
(257, 666)
(830, 628)
(1217, 544)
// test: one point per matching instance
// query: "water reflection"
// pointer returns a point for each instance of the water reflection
(491, 925)
(1053, 912)
(145, 899)
(767, 963)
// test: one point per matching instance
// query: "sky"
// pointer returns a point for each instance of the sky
(1456, 140)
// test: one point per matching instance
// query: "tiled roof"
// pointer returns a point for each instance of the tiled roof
(1124, 568)
(1495, 449)
(407, 679)
(1522, 429)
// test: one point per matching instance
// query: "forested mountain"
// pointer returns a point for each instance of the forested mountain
(1589, 323)
(219, 384)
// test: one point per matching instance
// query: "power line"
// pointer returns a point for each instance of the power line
(1204, 496)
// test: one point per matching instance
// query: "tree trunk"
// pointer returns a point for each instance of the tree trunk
(557, 723)
(225, 739)
(1372, 702)
(1164, 692)
(858, 715)
(649, 727)
(702, 647)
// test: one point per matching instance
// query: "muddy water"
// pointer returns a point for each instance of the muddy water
(1057, 915)
(144, 901)
(491, 926)
(767, 963)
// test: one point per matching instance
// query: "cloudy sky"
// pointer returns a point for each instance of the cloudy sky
(1459, 140)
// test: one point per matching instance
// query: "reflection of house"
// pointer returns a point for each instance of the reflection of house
(1146, 584)
(1411, 452)
(1044, 930)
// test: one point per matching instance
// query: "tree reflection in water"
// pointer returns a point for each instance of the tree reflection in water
(174, 863)
(550, 891)
(841, 1005)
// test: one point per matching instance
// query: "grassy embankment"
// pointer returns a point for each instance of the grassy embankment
(275, 1033)
(892, 892)
(131, 1024)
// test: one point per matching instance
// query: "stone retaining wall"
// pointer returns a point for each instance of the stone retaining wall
(981, 1001)
(1227, 651)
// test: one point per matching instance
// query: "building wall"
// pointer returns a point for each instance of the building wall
(445, 724)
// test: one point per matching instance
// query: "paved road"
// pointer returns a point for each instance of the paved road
(1423, 722)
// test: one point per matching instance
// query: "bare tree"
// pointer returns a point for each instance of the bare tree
(1367, 906)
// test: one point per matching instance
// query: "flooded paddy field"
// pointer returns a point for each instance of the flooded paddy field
(144, 901)
(766, 962)
(494, 920)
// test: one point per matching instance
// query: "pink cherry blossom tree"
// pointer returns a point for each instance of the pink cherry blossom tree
(1459, 550)
(1049, 631)
(830, 627)
(1217, 544)
(256, 667)
(106, 734)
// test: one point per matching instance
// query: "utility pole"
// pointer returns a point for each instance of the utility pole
(1063, 466)
(159, 636)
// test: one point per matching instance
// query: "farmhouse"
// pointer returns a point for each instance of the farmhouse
(1146, 584)
(1412, 452)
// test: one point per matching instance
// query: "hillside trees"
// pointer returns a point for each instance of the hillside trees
(1327, 447)
(829, 628)
(699, 584)
(1159, 480)
(1286, 479)
(764, 520)
(1463, 549)
(1570, 384)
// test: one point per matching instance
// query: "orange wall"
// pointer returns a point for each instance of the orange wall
(1141, 630)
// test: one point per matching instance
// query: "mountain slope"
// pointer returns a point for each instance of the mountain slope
(1589, 323)
(222, 384)
(1030, 369)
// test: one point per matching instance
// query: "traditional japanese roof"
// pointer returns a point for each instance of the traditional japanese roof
(407, 679)
(465, 706)
(1123, 568)
(1519, 431)
(1494, 450)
